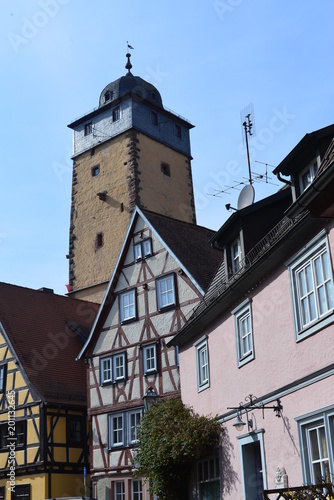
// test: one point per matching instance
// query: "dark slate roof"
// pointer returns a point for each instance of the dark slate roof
(47, 332)
(190, 244)
(308, 145)
(130, 84)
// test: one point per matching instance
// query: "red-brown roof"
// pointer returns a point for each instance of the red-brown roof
(191, 245)
(47, 332)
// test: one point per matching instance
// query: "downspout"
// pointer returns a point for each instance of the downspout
(278, 175)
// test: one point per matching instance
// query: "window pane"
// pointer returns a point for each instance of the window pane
(119, 366)
(117, 430)
(134, 423)
(127, 305)
(166, 291)
(119, 490)
(106, 370)
(137, 490)
(149, 358)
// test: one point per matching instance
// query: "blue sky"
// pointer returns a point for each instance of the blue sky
(210, 59)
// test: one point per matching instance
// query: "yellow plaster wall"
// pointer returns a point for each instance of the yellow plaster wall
(92, 216)
(38, 485)
(172, 195)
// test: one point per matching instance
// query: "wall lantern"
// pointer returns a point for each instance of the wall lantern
(150, 398)
(239, 424)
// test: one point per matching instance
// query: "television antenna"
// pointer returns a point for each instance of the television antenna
(247, 115)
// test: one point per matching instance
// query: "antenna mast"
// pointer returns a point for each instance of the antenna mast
(249, 130)
(247, 124)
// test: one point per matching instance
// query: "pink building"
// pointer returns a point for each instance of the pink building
(263, 337)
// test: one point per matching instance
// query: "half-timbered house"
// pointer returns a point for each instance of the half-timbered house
(162, 272)
(43, 417)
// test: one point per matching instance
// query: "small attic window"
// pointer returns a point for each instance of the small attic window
(115, 114)
(178, 131)
(88, 128)
(107, 96)
(154, 96)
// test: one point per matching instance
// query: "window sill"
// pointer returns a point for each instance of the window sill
(246, 359)
(316, 326)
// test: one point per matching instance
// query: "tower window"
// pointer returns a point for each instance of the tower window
(154, 118)
(154, 96)
(99, 240)
(107, 96)
(178, 131)
(165, 169)
(88, 128)
(95, 170)
(92, 152)
(115, 114)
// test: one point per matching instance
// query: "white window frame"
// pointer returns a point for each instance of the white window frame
(202, 364)
(236, 257)
(312, 169)
(112, 442)
(123, 419)
(136, 489)
(138, 412)
(119, 495)
(243, 313)
(124, 304)
(313, 421)
(306, 258)
(166, 287)
(150, 354)
(142, 249)
(113, 362)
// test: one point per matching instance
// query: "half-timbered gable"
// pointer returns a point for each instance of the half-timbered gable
(150, 294)
(43, 407)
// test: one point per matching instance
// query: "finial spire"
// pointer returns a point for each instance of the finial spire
(128, 65)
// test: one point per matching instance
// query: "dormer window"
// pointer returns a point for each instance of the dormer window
(107, 96)
(307, 175)
(235, 255)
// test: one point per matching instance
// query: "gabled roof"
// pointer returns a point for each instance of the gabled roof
(186, 242)
(46, 332)
(301, 152)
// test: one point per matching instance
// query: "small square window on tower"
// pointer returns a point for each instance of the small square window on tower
(95, 170)
(165, 169)
(154, 118)
(88, 128)
(99, 240)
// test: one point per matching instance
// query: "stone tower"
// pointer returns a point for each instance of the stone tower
(128, 151)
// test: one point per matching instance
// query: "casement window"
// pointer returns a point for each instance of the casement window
(142, 249)
(154, 118)
(137, 490)
(316, 435)
(202, 364)
(113, 368)
(22, 492)
(150, 364)
(166, 291)
(75, 431)
(208, 478)
(235, 255)
(311, 281)
(127, 306)
(119, 493)
(88, 129)
(134, 418)
(123, 428)
(3, 377)
(307, 175)
(18, 431)
(115, 114)
(244, 332)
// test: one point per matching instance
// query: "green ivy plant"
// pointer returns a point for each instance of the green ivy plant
(172, 437)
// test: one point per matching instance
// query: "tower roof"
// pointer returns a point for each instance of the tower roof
(130, 84)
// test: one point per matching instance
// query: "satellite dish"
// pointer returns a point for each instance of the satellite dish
(246, 197)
